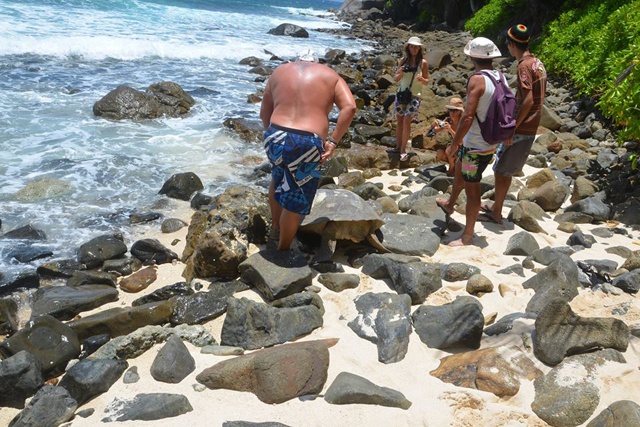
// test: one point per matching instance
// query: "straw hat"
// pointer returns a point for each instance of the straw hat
(482, 47)
(455, 103)
(414, 41)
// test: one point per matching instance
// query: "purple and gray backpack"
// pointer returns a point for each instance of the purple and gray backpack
(500, 123)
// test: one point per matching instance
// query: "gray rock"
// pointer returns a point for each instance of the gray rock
(338, 282)
(171, 225)
(99, 249)
(136, 343)
(623, 413)
(628, 282)
(408, 275)
(147, 407)
(478, 285)
(521, 243)
(385, 320)
(561, 333)
(558, 280)
(573, 217)
(274, 375)
(564, 398)
(151, 251)
(80, 278)
(505, 324)
(592, 206)
(627, 212)
(65, 302)
(201, 306)
(513, 269)
(456, 271)
(63, 268)
(20, 378)
(131, 376)
(349, 388)
(164, 293)
(252, 325)
(410, 234)
(580, 239)
(173, 362)
(122, 321)
(27, 232)
(458, 324)
(50, 341)
(182, 186)
(90, 378)
(276, 274)
(123, 266)
(51, 406)
(8, 316)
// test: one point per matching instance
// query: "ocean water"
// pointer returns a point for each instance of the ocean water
(58, 57)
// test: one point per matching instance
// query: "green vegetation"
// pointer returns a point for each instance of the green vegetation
(491, 18)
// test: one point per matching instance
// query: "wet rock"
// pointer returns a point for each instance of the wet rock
(79, 278)
(99, 249)
(123, 266)
(65, 302)
(164, 293)
(171, 225)
(182, 186)
(139, 281)
(50, 341)
(151, 251)
(20, 378)
(27, 232)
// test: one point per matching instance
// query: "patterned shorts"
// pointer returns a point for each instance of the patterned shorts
(474, 162)
(410, 109)
(295, 166)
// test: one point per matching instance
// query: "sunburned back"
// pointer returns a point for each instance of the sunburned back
(303, 95)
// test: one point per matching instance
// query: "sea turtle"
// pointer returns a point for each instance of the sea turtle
(341, 214)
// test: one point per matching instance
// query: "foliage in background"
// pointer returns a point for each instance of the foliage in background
(493, 17)
(595, 43)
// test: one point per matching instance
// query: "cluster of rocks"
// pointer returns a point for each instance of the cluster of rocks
(79, 356)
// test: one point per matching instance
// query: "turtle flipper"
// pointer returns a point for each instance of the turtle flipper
(373, 241)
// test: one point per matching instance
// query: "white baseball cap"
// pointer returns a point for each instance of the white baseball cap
(482, 47)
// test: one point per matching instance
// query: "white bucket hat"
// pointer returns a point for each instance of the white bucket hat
(414, 41)
(482, 47)
(307, 55)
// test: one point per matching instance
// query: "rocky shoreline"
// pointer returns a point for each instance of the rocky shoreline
(538, 325)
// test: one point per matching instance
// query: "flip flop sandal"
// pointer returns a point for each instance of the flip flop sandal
(485, 217)
(404, 157)
(486, 208)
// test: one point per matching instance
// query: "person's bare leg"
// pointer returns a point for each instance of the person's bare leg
(471, 214)
(503, 182)
(456, 189)
(399, 132)
(289, 222)
(406, 133)
(276, 209)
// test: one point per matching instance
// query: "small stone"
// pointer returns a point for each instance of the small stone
(199, 387)
(490, 318)
(222, 350)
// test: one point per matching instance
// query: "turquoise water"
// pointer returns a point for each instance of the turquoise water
(57, 58)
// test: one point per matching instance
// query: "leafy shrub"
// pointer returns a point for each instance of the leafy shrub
(596, 45)
(491, 18)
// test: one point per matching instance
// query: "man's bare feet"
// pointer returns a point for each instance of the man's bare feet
(443, 204)
(462, 241)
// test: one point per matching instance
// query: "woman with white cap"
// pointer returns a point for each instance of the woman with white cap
(412, 73)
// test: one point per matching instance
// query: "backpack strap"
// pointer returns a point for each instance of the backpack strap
(493, 80)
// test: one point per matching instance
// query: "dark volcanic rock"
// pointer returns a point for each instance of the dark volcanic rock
(349, 388)
(147, 407)
(20, 378)
(51, 406)
(173, 362)
(90, 378)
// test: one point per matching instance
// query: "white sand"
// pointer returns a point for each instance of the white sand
(435, 403)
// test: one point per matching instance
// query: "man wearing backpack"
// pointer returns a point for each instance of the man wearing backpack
(473, 151)
(512, 155)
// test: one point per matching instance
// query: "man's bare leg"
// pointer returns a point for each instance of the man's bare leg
(471, 213)
(503, 182)
(289, 222)
(276, 209)
(456, 189)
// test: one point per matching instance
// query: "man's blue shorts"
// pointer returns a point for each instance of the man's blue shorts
(295, 166)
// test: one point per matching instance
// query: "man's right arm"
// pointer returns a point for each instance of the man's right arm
(343, 98)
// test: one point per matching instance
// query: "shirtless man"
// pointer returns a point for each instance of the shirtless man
(297, 100)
